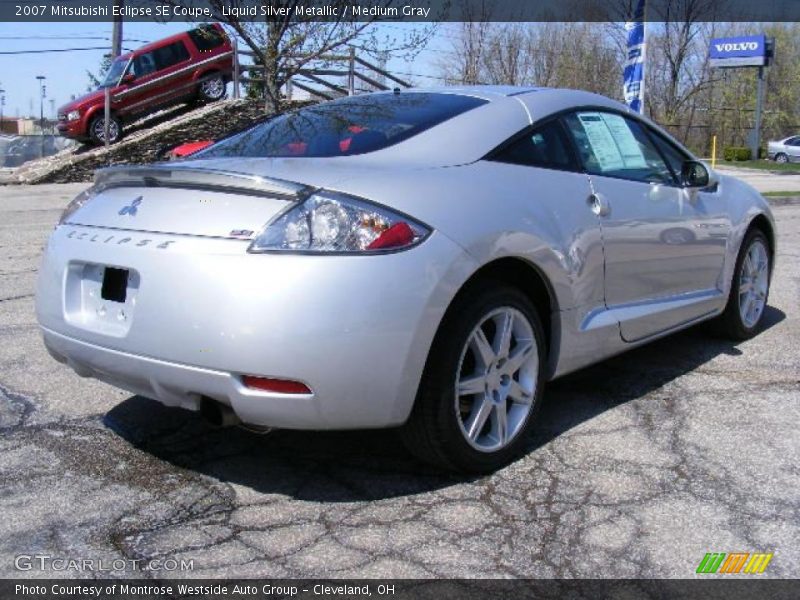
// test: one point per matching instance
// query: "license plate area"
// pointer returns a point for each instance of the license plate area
(115, 285)
(100, 298)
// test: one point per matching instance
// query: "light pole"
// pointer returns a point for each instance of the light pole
(2, 104)
(42, 93)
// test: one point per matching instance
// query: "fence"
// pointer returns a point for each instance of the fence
(18, 149)
(316, 81)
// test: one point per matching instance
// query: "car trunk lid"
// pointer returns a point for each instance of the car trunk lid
(185, 201)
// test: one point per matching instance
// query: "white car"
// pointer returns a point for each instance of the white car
(785, 150)
(424, 259)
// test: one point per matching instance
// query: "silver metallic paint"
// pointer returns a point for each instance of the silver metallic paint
(357, 329)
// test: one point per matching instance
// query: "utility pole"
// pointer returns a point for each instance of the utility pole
(2, 104)
(42, 93)
(116, 32)
(755, 136)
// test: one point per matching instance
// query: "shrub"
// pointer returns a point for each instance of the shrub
(736, 153)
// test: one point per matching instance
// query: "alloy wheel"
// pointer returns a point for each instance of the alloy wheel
(496, 380)
(753, 283)
(100, 132)
(213, 87)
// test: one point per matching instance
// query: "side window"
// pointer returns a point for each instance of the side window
(612, 145)
(675, 157)
(544, 146)
(206, 38)
(170, 55)
(795, 141)
(144, 64)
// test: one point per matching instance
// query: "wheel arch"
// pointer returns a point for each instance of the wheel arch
(760, 221)
(205, 72)
(526, 277)
(98, 111)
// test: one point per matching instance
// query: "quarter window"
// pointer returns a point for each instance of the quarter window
(545, 146)
(170, 55)
(614, 146)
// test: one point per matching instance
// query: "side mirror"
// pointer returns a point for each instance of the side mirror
(128, 77)
(695, 174)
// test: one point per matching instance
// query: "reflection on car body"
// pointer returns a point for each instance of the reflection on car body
(424, 259)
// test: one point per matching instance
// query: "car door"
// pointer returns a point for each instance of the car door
(160, 78)
(792, 148)
(664, 245)
(542, 184)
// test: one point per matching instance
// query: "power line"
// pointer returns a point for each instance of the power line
(57, 37)
(52, 50)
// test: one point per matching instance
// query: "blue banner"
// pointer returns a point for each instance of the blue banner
(633, 75)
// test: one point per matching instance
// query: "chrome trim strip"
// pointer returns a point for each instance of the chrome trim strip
(162, 78)
(603, 317)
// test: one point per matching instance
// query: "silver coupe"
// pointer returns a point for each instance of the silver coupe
(421, 259)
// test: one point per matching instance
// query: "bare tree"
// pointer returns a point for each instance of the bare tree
(677, 68)
(290, 39)
(462, 64)
(553, 54)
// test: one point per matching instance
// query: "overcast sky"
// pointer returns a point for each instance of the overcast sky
(66, 71)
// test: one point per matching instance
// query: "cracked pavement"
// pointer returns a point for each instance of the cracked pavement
(640, 465)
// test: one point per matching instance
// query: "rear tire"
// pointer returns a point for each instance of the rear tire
(97, 130)
(211, 88)
(482, 385)
(747, 300)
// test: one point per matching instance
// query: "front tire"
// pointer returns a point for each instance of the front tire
(483, 383)
(781, 158)
(97, 130)
(749, 293)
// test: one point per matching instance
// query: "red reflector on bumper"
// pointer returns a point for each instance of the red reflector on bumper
(279, 386)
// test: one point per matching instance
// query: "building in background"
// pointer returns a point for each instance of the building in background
(19, 126)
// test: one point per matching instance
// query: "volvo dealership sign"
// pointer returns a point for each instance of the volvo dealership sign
(741, 51)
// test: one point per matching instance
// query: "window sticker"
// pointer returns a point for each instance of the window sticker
(612, 142)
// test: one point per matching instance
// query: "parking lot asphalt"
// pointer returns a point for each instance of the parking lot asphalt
(639, 467)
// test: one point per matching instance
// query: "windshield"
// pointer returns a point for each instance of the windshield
(114, 73)
(344, 127)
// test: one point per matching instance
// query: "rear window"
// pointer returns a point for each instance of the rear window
(206, 38)
(348, 126)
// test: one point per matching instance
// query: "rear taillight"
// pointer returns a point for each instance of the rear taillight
(328, 222)
(396, 236)
(276, 386)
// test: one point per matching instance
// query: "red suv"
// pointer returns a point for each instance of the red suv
(196, 64)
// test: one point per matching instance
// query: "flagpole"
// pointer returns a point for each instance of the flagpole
(636, 54)
(644, 57)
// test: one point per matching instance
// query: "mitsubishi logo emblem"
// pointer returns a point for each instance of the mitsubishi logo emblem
(132, 208)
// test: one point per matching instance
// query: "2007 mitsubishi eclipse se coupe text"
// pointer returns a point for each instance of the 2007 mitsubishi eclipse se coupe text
(424, 259)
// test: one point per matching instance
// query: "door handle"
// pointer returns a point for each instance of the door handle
(599, 205)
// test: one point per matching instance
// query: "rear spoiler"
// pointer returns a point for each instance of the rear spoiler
(197, 178)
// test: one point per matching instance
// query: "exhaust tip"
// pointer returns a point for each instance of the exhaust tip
(217, 414)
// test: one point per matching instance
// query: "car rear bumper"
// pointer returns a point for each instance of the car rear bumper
(355, 329)
(182, 385)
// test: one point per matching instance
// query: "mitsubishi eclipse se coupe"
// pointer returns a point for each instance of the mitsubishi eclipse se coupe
(424, 259)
